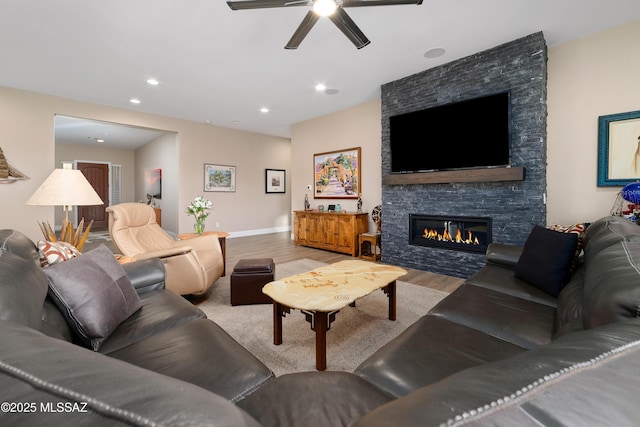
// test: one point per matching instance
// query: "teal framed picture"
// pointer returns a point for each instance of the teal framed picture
(618, 149)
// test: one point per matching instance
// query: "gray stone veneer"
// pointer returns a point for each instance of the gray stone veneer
(519, 67)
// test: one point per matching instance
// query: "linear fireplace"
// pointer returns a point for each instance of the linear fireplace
(450, 232)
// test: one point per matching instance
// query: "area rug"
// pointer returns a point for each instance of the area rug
(356, 333)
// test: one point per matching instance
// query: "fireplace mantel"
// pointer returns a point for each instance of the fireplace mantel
(466, 175)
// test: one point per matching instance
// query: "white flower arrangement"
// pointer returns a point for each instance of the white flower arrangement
(200, 208)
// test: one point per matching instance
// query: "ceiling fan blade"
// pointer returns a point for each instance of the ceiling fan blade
(303, 29)
(344, 22)
(357, 3)
(264, 4)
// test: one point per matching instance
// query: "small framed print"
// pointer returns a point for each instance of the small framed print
(219, 178)
(275, 181)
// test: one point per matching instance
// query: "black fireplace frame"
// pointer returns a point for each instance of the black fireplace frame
(481, 248)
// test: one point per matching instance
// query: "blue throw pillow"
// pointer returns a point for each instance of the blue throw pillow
(546, 259)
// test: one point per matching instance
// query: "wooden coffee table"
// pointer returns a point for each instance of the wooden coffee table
(321, 293)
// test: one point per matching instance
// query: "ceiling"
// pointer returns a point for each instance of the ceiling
(219, 66)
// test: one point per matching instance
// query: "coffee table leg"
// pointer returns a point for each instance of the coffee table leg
(321, 324)
(390, 290)
(279, 311)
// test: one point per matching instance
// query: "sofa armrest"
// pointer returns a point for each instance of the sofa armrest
(499, 253)
(146, 275)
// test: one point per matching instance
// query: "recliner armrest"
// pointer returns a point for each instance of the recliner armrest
(207, 242)
(500, 253)
(146, 275)
(164, 253)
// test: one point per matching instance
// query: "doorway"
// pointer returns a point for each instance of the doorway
(98, 176)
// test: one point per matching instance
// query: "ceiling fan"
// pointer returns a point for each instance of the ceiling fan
(333, 9)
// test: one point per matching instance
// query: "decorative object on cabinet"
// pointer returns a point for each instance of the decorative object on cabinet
(376, 215)
(359, 204)
(275, 181)
(153, 184)
(337, 174)
(618, 148)
(331, 208)
(219, 178)
(320, 208)
(330, 231)
(9, 174)
(307, 206)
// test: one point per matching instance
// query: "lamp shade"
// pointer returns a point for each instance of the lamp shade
(631, 192)
(65, 187)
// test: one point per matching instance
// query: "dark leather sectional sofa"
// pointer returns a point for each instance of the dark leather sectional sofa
(497, 351)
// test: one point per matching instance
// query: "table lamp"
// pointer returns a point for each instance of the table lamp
(66, 187)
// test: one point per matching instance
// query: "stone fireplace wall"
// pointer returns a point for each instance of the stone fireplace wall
(514, 206)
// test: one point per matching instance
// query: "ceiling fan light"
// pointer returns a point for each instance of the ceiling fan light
(324, 7)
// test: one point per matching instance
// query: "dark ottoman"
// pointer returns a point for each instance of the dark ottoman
(248, 278)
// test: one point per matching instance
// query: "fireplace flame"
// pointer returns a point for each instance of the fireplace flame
(445, 236)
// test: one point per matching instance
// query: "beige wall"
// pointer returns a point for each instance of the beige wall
(161, 153)
(590, 77)
(358, 126)
(27, 139)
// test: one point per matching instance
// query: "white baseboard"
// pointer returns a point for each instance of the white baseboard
(259, 231)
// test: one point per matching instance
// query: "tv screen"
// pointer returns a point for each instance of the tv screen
(468, 134)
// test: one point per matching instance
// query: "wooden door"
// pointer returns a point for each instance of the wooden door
(98, 176)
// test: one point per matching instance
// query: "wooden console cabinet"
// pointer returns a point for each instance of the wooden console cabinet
(336, 232)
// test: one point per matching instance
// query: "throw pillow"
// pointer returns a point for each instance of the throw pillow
(546, 259)
(579, 230)
(94, 293)
(55, 252)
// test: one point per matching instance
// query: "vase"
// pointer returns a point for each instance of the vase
(199, 226)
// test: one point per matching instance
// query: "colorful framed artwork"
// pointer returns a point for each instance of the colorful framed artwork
(219, 178)
(618, 149)
(153, 184)
(275, 181)
(337, 174)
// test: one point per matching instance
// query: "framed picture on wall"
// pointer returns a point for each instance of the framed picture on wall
(219, 178)
(275, 181)
(337, 174)
(153, 183)
(619, 149)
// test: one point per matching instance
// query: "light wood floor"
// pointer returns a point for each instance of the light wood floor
(280, 247)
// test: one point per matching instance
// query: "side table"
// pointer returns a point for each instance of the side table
(222, 238)
(369, 244)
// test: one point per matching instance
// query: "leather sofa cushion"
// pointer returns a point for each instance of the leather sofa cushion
(23, 289)
(161, 310)
(583, 379)
(94, 293)
(519, 321)
(570, 300)
(503, 279)
(313, 399)
(547, 258)
(202, 353)
(37, 368)
(428, 351)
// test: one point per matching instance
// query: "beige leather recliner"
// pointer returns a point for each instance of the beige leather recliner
(192, 265)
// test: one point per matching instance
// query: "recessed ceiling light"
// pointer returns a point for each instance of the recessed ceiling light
(264, 110)
(134, 101)
(436, 52)
(99, 140)
(153, 82)
(320, 87)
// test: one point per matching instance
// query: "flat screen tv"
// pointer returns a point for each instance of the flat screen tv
(473, 133)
